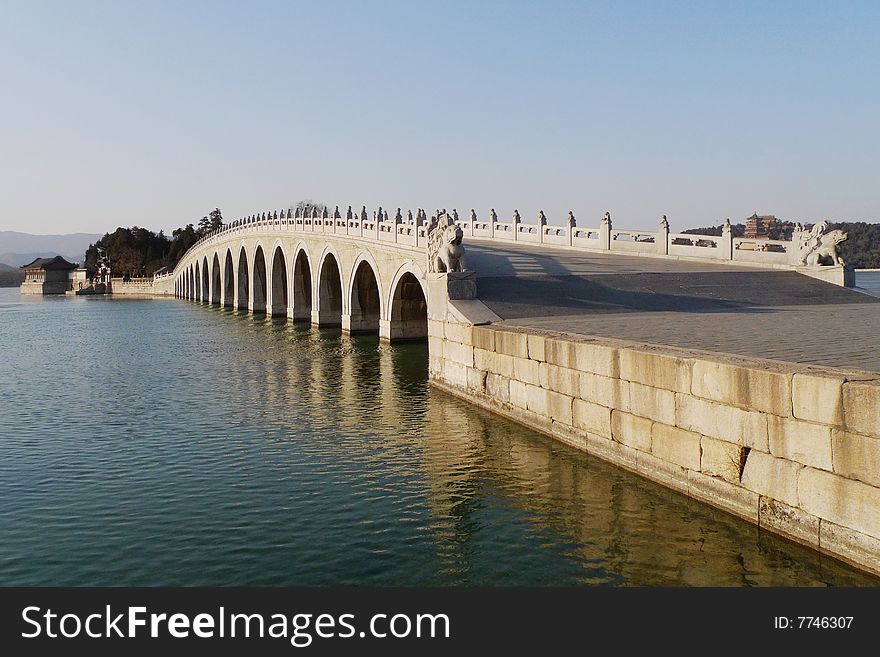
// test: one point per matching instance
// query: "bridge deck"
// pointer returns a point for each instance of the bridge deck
(717, 307)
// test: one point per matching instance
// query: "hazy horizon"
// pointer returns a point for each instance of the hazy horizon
(125, 114)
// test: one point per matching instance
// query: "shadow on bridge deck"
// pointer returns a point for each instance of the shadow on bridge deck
(762, 313)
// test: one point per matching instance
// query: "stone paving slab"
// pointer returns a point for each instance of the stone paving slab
(772, 314)
(844, 336)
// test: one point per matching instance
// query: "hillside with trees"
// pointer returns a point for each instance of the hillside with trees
(860, 250)
(138, 252)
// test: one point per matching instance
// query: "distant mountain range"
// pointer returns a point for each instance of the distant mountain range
(10, 276)
(17, 249)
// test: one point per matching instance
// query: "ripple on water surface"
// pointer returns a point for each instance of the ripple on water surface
(163, 443)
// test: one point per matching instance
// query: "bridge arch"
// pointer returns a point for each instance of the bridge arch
(198, 275)
(365, 298)
(258, 282)
(192, 282)
(215, 279)
(330, 290)
(206, 281)
(277, 301)
(408, 316)
(301, 285)
(243, 281)
(228, 296)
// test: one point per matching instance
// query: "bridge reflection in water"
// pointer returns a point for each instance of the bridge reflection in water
(497, 501)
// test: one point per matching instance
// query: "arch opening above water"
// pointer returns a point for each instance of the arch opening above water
(302, 288)
(243, 282)
(258, 303)
(329, 293)
(206, 281)
(408, 321)
(228, 280)
(365, 304)
(278, 306)
(215, 280)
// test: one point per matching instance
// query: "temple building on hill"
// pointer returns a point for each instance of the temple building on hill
(759, 227)
(50, 276)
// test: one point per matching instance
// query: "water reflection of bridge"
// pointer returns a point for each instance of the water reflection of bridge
(615, 527)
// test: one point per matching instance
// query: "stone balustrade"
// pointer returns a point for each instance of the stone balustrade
(410, 231)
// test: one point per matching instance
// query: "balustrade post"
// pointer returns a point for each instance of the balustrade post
(663, 236)
(605, 233)
(570, 224)
(727, 240)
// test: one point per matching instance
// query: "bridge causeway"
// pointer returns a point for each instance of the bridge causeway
(709, 364)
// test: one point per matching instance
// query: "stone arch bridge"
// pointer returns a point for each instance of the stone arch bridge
(370, 274)
(357, 274)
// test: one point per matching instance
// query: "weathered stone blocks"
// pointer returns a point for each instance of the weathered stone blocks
(483, 338)
(596, 358)
(796, 451)
(804, 442)
(559, 407)
(817, 398)
(654, 403)
(592, 417)
(601, 390)
(476, 380)
(458, 332)
(720, 458)
(856, 456)
(536, 347)
(852, 546)
(491, 361)
(724, 495)
(772, 477)
(724, 422)
(755, 389)
(861, 407)
(528, 371)
(560, 379)
(676, 445)
(498, 387)
(582, 356)
(655, 370)
(512, 344)
(846, 502)
(789, 521)
(459, 353)
(631, 430)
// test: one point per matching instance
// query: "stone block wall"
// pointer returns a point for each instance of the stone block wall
(794, 449)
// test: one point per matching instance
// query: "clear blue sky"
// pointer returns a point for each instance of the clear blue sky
(152, 113)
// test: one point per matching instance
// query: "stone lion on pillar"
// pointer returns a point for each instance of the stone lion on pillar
(445, 252)
(817, 246)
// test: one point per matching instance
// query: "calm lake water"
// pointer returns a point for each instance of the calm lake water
(870, 280)
(158, 442)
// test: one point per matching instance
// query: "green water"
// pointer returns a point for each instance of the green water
(160, 442)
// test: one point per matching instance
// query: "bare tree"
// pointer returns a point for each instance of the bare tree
(306, 206)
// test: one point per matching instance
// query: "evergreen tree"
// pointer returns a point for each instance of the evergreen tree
(215, 219)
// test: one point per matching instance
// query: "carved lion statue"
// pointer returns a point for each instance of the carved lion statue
(819, 246)
(445, 252)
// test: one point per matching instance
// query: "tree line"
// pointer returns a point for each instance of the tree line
(861, 249)
(140, 252)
